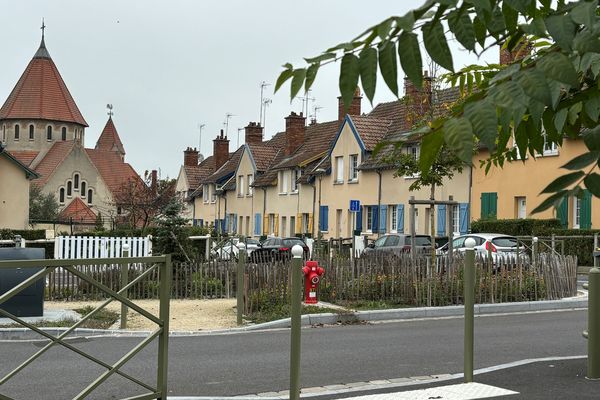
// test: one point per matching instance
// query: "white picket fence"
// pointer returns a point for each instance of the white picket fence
(77, 247)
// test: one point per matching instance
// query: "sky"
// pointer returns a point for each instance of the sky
(169, 66)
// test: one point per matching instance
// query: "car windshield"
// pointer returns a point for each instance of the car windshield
(422, 241)
(293, 242)
(252, 241)
(506, 241)
(379, 242)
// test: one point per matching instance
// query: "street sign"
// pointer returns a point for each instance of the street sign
(354, 205)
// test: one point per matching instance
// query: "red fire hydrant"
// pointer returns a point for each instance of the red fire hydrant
(312, 276)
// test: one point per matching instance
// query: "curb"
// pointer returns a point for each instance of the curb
(11, 334)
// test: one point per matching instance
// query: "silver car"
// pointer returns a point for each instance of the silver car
(498, 244)
(398, 243)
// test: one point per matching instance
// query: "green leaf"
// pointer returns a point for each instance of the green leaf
(349, 72)
(592, 182)
(431, 145)
(320, 58)
(283, 77)
(311, 74)
(562, 29)
(383, 29)
(297, 81)
(551, 201)
(510, 17)
(519, 5)
(558, 67)
(348, 46)
(406, 22)
(462, 27)
(564, 181)
(508, 95)
(555, 88)
(586, 42)
(496, 23)
(410, 57)
(480, 31)
(592, 108)
(536, 110)
(585, 13)
(388, 66)
(560, 118)
(582, 161)
(535, 86)
(368, 71)
(536, 27)
(482, 115)
(436, 44)
(505, 72)
(591, 138)
(458, 134)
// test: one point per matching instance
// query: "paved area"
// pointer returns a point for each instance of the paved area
(49, 315)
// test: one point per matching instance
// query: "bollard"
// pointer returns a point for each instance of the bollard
(239, 291)
(296, 311)
(593, 370)
(469, 295)
(124, 281)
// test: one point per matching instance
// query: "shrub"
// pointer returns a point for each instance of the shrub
(515, 227)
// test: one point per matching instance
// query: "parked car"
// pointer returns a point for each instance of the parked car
(228, 250)
(395, 243)
(498, 244)
(277, 249)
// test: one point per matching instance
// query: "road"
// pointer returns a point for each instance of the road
(254, 362)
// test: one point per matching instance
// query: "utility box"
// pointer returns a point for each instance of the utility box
(30, 301)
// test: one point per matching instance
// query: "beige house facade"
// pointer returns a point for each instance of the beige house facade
(14, 192)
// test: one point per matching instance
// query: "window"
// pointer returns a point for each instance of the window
(271, 223)
(213, 193)
(283, 187)
(414, 150)
(17, 133)
(76, 181)
(64, 133)
(83, 188)
(521, 204)
(295, 177)
(455, 219)
(89, 196)
(49, 132)
(369, 217)
(489, 205)
(305, 218)
(250, 183)
(119, 210)
(240, 185)
(339, 169)
(61, 195)
(31, 132)
(576, 212)
(416, 220)
(393, 211)
(205, 193)
(550, 149)
(69, 189)
(353, 173)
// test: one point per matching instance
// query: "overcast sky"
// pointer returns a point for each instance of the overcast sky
(169, 66)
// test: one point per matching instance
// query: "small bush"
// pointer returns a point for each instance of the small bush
(515, 227)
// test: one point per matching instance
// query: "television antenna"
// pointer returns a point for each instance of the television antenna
(265, 104)
(200, 126)
(226, 123)
(237, 144)
(263, 85)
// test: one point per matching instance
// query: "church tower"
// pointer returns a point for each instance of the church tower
(40, 110)
(109, 139)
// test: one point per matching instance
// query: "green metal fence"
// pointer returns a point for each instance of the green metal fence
(162, 264)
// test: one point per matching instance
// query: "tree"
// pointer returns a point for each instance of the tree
(42, 207)
(170, 235)
(547, 95)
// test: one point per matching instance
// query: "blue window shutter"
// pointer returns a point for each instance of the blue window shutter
(216, 224)
(382, 218)
(463, 217)
(441, 220)
(194, 222)
(375, 221)
(235, 218)
(400, 218)
(359, 221)
(202, 222)
(257, 219)
(226, 223)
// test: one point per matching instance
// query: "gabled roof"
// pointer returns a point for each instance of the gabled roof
(109, 139)
(113, 171)
(30, 174)
(41, 93)
(78, 211)
(370, 129)
(25, 156)
(52, 159)
(196, 173)
(226, 169)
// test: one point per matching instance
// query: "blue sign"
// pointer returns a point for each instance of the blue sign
(355, 205)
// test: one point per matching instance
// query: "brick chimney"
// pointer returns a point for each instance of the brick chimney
(190, 157)
(521, 51)
(354, 108)
(254, 133)
(294, 132)
(418, 100)
(220, 150)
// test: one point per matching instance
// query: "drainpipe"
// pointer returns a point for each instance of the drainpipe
(378, 201)
(314, 186)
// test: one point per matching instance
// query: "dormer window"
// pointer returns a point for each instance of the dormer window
(17, 133)
(49, 133)
(31, 132)
(64, 134)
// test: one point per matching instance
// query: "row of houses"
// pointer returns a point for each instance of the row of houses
(301, 181)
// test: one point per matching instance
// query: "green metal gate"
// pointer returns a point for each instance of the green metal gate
(162, 263)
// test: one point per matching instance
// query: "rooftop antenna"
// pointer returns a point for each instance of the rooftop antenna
(265, 104)
(263, 85)
(226, 123)
(305, 101)
(110, 112)
(200, 126)
(315, 111)
(238, 138)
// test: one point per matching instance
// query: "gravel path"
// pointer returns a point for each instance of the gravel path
(186, 315)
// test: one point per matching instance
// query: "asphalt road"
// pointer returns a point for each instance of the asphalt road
(253, 362)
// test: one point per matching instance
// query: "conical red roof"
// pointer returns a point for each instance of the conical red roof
(41, 93)
(78, 211)
(109, 139)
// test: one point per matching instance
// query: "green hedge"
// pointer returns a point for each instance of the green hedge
(31, 234)
(515, 227)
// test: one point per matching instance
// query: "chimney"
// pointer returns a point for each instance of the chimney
(521, 51)
(190, 157)
(418, 100)
(154, 182)
(354, 108)
(294, 132)
(254, 133)
(220, 150)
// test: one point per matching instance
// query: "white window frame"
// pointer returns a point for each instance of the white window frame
(213, 193)
(353, 168)
(305, 218)
(240, 186)
(231, 223)
(295, 175)
(416, 217)
(339, 169)
(413, 150)
(205, 193)
(519, 199)
(393, 212)
(576, 212)
(455, 219)
(369, 219)
(282, 182)
(250, 182)
(272, 224)
(550, 149)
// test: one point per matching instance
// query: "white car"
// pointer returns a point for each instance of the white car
(227, 249)
(498, 244)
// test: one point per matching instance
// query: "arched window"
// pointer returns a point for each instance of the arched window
(17, 133)
(89, 196)
(76, 181)
(49, 132)
(83, 187)
(69, 189)
(64, 133)
(31, 132)
(61, 195)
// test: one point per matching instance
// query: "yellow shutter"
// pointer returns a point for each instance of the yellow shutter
(310, 223)
(299, 223)
(276, 225)
(265, 229)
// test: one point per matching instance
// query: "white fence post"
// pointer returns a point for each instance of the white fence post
(78, 247)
